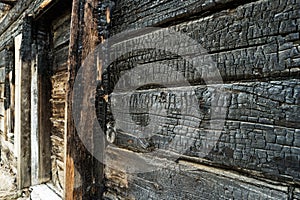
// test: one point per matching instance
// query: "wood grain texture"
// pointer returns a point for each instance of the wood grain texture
(60, 38)
(83, 173)
(255, 46)
(22, 126)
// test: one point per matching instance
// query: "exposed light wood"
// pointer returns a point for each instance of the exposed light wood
(83, 179)
(22, 125)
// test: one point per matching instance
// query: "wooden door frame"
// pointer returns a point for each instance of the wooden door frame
(44, 64)
(22, 115)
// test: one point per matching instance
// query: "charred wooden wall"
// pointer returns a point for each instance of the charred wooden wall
(255, 45)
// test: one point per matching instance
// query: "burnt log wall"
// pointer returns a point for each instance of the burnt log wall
(255, 46)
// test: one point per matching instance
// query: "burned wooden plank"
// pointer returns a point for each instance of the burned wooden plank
(258, 123)
(275, 62)
(61, 30)
(83, 41)
(184, 180)
(61, 58)
(253, 42)
(152, 14)
(245, 50)
(250, 42)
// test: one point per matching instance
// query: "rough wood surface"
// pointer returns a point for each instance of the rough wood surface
(70, 185)
(44, 89)
(60, 32)
(163, 13)
(260, 129)
(84, 179)
(22, 126)
(255, 46)
(187, 180)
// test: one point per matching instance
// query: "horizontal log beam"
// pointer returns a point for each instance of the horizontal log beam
(261, 123)
(185, 180)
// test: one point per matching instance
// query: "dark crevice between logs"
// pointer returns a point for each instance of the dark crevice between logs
(9, 2)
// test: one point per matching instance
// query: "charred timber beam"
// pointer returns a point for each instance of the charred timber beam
(83, 40)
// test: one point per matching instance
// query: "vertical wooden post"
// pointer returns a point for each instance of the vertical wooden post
(22, 124)
(44, 107)
(69, 126)
(34, 122)
(82, 175)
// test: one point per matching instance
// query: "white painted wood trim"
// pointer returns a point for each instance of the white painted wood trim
(18, 64)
